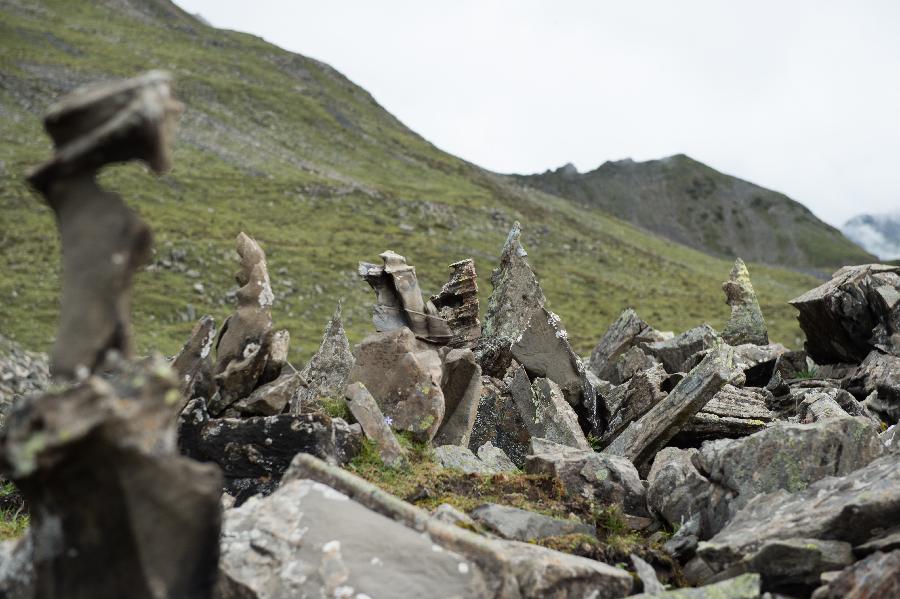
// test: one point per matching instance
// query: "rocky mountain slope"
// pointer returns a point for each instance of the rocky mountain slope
(287, 148)
(878, 233)
(691, 203)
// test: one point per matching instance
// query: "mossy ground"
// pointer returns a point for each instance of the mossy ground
(13, 515)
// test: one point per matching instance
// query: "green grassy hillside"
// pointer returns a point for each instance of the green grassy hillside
(288, 150)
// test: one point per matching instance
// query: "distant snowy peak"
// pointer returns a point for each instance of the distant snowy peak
(877, 233)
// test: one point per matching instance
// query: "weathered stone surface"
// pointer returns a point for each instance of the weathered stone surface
(646, 436)
(22, 373)
(891, 438)
(500, 422)
(647, 575)
(108, 493)
(399, 302)
(404, 380)
(642, 392)
(495, 458)
(327, 372)
(586, 473)
(788, 563)
(746, 586)
(733, 412)
(879, 373)
(254, 452)
(103, 241)
(852, 509)
(448, 514)
(819, 406)
(460, 458)
(16, 570)
(875, 577)
(242, 349)
(746, 324)
(271, 398)
(674, 352)
(625, 333)
(461, 386)
(512, 569)
(367, 413)
(544, 410)
(887, 541)
(758, 361)
(629, 363)
(857, 311)
(457, 303)
(522, 525)
(193, 364)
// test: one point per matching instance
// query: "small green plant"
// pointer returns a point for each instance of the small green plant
(808, 373)
(336, 407)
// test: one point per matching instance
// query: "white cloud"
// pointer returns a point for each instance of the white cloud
(797, 96)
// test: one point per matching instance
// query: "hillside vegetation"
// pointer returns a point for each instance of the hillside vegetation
(290, 151)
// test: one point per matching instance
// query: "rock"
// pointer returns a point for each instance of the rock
(891, 438)
(545, 412)
(586, 473)
(399, 301)
(788, 563)
(733, 412)
(643, 391)
(460, 458)
(193, 364)
(522, 525)
(857, 311)
(495, 458)
(254, 452)
(279, 347)
(879, 373)
(499, 421)
(819, 406)
(457, 303)
(886, 541)
(746, 324)
(647, 575)
(16, 570)
(674, 352)
(629, 363)
(624, 334)
(461, 386)
(758, 361)
(103, 241)
(876, 576)
(22, 373)
(110, 444)
(646, 436)
(404, 380)
(847, 509)
(327, 372)
(271, 398)
(543, 350)
(448, 514)
(510, 568)
(363, 407)
(746, 586)
(516, 295)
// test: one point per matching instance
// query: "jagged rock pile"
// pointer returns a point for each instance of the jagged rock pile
(766, 470)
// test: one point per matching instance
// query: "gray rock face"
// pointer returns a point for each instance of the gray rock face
(758, 361)
(674, 352)
(851, 509)
(641, 393)
(327, 372)
(16, 571)
(522, 525)
(404, 379)
(461, 458)
(363, 407)
(875, 576)
(787, 563)
(857, 311)
(271, 398)
(627, 364)
(500, 422)
(625, 333)
(307, 539)
(22, 373)
(495, 458)
(746, 324)
(733, 412)
(879, 373)
(647, 575)
(461, 386)
(545, 412)
(193, 364)
(746, 586)
(457, 303)
(597, 476)
(646, 436)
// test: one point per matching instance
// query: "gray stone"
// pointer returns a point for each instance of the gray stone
(746, 324)
(363, 407)
(642, 392)
(193, 364)
(271, 398)
(624, 334)
(16, 570)
(871, 578)
(460, 458)
(746, 586)
(629, 363)
(647, 575)
(495, 458)
(500, 422)
(545, 412)
(586, 473)
(879, 373)
(886, 541)
(857, 311)
(646, 436)
(733, 412)
(22, 374)
(786, 563)
(674, 352)
(448, 514)
(891, 438)
(461, 387)
(403, 379)
(457, 303)
(758, 361)
(327, 372)
(522, 525)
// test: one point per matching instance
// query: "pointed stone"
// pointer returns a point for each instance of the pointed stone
(327, 372)
(545, 411)
(626, 332)
(457, 303)
(746, 324)
(193, 364)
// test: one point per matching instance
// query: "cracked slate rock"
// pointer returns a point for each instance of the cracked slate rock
(874, 577)
(586, 473)
(625, 333)
(544, 410)
(522, 525)
(673, 353)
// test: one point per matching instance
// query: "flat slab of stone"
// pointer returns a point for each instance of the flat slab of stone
(522, 525)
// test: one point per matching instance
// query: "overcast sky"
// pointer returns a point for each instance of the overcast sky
(801, 96)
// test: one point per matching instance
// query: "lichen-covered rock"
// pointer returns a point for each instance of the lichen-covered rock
(500, 422)
(874, 577)
(746, 324)
(857, 311)
(733, 412)
(367, 413)
(457, 303)
(271, 398)
(495, 458)
(586, 473)
(544, 410)
(642, 392)
(327, 372)
(758, 361)
(625, 333)
(745, 586)
(673, 353)
(792, 563)
(461, 458)
(522, 525)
